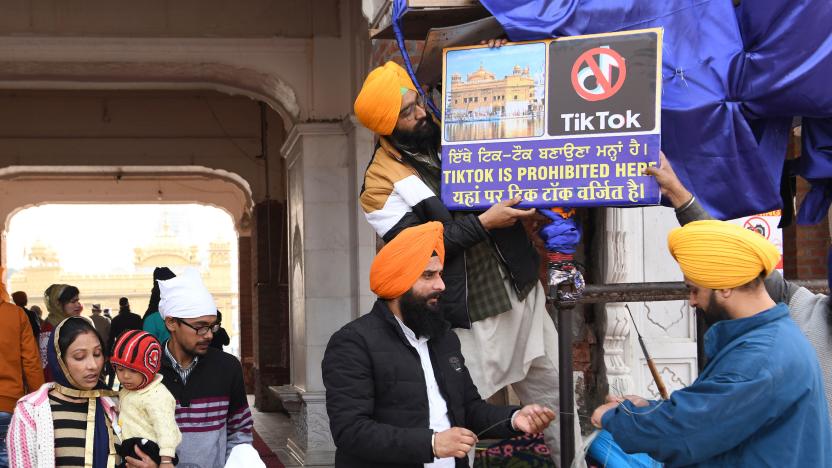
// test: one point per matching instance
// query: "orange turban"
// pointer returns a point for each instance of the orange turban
(400, 263)
(721, 255)
(380, 100)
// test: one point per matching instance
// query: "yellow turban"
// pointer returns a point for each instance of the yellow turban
(400, 263)
(380, 100)
(721, 255)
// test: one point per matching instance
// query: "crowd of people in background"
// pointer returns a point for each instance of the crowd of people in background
(124, 391)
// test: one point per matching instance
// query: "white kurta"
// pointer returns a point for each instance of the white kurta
(437, 406)
(520, 348)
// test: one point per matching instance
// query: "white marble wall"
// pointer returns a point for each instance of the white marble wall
(331, 248)
(635, 248)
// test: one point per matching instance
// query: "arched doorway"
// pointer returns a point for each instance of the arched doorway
(110, 251)
(129, 147)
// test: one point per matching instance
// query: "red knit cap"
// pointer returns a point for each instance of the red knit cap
(139, 351)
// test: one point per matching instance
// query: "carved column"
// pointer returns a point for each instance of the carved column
(623, 247)
(330, 249)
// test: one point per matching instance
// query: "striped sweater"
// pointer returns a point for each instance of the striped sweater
(211, 409)
(31, 437)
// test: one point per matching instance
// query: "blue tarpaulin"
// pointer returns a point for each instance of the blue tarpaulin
(733, 79)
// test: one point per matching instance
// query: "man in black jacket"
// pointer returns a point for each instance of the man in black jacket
(125, 320)
(22, 300)
(398, 393)
(494, 298)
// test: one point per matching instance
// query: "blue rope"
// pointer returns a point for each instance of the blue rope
(399, 9)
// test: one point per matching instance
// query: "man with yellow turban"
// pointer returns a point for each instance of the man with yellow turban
(398, 392)
(494, 299)
(759, 401)
(811, 311)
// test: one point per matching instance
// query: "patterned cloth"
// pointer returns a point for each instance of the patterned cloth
(518, 452)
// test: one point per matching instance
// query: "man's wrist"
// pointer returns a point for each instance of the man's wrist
(483, 219)
(513, 416)
(680, 198)
(433, 443)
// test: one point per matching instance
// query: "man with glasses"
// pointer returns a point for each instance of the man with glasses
(493, 297)
(211, 407)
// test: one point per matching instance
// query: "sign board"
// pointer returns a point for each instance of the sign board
(765, 224)
(563, 122)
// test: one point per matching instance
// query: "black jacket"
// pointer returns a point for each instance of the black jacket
(376, 396)
(124, 321)
(34, 321)
(515, 250)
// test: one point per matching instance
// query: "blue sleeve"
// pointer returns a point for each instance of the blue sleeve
(697, 422)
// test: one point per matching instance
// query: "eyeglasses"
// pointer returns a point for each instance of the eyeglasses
(201, 330)
(409, 111)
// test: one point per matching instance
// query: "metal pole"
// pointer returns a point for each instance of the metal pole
(567, 409)
(654, 292)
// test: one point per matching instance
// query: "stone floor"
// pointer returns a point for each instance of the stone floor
(274, 429)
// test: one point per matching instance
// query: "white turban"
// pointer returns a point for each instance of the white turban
(185, 296)
(244, 456)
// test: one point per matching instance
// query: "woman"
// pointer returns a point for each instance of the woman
(68, 422)
(153, 321)
(62, 301)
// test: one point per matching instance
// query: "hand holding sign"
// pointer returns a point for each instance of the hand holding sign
(669, 183)
(502, 215)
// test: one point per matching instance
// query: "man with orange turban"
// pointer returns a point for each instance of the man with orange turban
(398, 392)
(759, 401)
(494, 299)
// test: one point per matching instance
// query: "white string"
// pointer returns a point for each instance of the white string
(680, 72)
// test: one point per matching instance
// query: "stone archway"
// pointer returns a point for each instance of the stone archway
(170, 147)
(247, 67)
(25, 187)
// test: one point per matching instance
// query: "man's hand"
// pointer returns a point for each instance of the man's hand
(599, 412)
(494, 43)
(637, 400)
(670, 185)
(503, 215)
(532, 419)
(612, 403)
(143, 461)
(454, 442)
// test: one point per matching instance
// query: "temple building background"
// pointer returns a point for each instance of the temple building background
(43, 268)
(483, 94)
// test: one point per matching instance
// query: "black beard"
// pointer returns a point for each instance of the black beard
(417, 315)
(424, 137)
(715, 313)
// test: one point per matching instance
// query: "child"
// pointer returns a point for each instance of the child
(147, 409)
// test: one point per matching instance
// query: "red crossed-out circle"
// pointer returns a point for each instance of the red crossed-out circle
(609, 89)
(755, 222)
